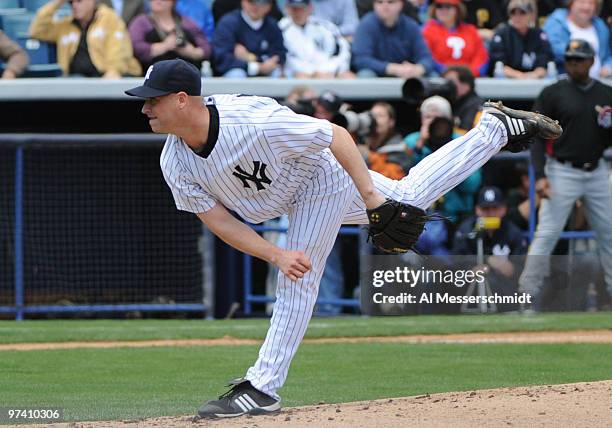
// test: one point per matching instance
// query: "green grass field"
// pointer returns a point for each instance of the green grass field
(69, 330)
(143, 382)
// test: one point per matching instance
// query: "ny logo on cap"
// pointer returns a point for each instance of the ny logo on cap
(489, 196)
(149, 70)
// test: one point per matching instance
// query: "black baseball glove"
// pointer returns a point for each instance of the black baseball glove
(395, 226)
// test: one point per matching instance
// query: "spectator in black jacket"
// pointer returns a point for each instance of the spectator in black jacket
(502, 242)
(523, 49)
(248, 42)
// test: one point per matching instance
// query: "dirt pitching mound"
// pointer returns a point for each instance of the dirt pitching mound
(579, 404)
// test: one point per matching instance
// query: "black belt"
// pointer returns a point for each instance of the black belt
(584, 166)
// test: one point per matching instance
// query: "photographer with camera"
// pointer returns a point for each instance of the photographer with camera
(436, 130)
(301, 100)
(383, 149)
(467, 104)
(500, 238)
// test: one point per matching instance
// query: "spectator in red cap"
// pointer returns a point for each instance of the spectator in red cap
(451, 40)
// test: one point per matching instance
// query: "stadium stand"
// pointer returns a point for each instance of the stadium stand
(15, 22)
(9, 4)
(43, 61)
(5, 14)
(33, 5)
(16, 25)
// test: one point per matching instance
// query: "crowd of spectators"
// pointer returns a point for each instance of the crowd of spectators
(515, 39)
(443, 118)
(344, 39)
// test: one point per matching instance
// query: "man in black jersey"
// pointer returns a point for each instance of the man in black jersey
(572, 166)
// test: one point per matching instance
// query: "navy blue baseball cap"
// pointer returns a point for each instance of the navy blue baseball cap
(298, 3)
(578, 48)
(168, 77)
(490, 196)
(330, 101)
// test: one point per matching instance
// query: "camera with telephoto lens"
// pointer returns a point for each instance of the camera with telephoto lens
(440, 133)
(487, 223)
(362, 124)
(301, 106)
(415, 90)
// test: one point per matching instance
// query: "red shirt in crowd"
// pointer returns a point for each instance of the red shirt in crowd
(460, 46)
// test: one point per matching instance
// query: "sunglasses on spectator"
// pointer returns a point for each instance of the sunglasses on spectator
(444, 6)
(518, 11)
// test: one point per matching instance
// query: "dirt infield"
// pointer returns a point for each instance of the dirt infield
(574, 336)
(580, 404)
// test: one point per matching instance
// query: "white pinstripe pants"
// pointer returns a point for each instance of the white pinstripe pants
(331, 200)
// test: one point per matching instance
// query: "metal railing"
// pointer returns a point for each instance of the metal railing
(247, 263)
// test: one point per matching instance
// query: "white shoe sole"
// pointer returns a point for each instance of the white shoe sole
(257, 411)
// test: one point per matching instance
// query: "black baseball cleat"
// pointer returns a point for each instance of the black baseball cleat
(241, 399)
(522, 126)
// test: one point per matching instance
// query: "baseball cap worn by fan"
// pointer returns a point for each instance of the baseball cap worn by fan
(490, 196)
(523, 5)
(453, 2)
(578, 48)
(298, 3)
(330, 101)
(167, 77)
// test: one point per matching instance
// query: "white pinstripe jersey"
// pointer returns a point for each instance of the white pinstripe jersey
(258, 155)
